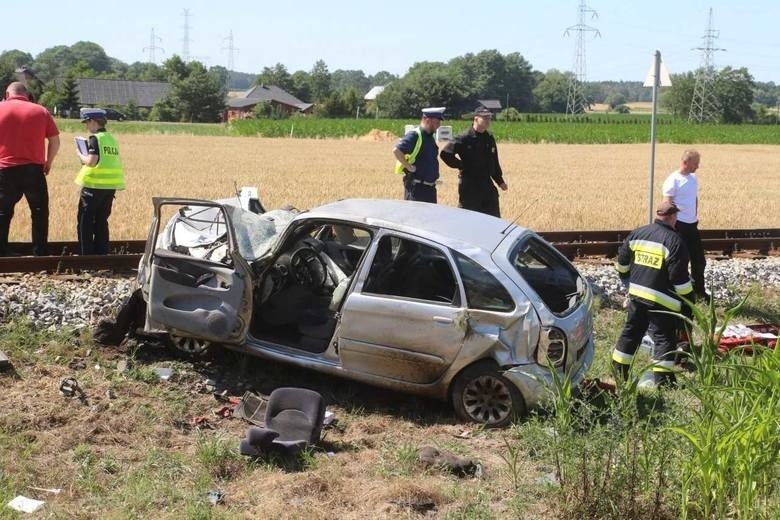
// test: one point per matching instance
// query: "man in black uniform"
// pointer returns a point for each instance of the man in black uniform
(478, 165)
(653, 263)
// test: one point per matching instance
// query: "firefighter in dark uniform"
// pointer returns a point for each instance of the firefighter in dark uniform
(417, 157)
(100, 176)
(475, 155)
(653, 263)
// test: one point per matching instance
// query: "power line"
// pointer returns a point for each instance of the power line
(576, 102)
(185, 48)
(153, 39)
(704, 106)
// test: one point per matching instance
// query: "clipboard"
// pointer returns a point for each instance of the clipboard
(81, 145)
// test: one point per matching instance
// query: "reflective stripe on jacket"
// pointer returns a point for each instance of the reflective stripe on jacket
(412, 157)
(655, 260)
(107, 174)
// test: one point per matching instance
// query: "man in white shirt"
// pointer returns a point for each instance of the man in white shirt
(682, 189)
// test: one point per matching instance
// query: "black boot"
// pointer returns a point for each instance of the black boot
(665, 379)
(620, 371)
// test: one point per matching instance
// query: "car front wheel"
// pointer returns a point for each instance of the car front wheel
(191, 346)
(481, 394)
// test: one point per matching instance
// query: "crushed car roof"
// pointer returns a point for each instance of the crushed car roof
(443, 224)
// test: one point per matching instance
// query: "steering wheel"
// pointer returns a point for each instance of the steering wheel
(308, 268)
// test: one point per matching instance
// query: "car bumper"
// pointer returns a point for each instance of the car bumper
(535, 381)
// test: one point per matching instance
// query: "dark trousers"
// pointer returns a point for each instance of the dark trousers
(92, 225)
(690, 235)
(479, 196)
(419, 191)
(663, 329)
(27, 180)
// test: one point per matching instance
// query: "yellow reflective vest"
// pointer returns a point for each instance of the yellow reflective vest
(412, 157)
(107, 174)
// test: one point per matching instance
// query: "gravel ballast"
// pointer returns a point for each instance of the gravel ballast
(51, 302)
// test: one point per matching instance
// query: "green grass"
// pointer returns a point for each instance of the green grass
(535, 128)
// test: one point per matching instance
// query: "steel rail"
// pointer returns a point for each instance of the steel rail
(572, 244)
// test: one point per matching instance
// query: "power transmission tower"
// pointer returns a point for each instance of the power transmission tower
(231, 50)
(704, 106)
(576, 102)
(185, 48)
(153, 39)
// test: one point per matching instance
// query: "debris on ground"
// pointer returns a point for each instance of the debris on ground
(163, 373)
(5, 363)
(25, 505)
(216, 497)
(251, 407)
(53, 491)
(446, 461)
(69, 387)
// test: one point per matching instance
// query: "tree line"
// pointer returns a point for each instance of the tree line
(198, 93)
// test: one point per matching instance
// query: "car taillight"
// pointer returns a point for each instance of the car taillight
(552, 347)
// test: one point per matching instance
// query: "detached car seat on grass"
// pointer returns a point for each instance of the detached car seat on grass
(293, 420)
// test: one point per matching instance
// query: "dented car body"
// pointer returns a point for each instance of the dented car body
(416, 297)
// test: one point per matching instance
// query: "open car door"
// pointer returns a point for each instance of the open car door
(196, 283)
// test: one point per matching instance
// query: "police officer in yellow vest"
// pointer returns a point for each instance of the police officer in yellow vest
(417, 157)
(100, 176)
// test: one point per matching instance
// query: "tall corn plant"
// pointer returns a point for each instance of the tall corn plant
(610, 462)
(733, 429)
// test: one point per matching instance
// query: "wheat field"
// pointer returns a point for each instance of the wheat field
(551, 186)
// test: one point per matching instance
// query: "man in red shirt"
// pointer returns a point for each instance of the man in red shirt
(25, 162)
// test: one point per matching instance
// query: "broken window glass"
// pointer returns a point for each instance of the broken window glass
(409, 269)
(483, 291)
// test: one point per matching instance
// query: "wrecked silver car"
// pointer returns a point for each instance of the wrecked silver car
(415, 297)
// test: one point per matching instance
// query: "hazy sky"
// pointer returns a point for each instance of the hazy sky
(375, 35)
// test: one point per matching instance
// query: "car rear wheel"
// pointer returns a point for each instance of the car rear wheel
(191, 346)
(481, 394)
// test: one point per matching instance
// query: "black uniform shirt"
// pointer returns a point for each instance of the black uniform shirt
(478, 156)
(92, 144)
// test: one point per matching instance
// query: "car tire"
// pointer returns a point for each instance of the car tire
(194, 347)
(481, 394)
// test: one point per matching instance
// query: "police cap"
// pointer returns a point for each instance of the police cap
(434, 112)
(92, 113)
(483, 112)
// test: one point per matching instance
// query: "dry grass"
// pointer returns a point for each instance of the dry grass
(566, 186)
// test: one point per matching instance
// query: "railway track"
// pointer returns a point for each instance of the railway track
(573, 244)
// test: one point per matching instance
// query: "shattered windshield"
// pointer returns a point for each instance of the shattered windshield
(200, 230)
(257, 234)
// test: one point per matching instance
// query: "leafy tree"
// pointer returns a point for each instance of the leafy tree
(734, 89)
(139, 71)
(267, 110)
(615, 99)
(68, 99)
(131, 110)
(381, 78)
(175, 68)
(198, 97)
(7, 75)
(344, 80)
(301, 85)
(509, 114)
(16, 58)
(93, 55)
(426, 84)
(277, 76)
(332, 106)
(51, 63)
(677, 98)
(552, 91)
(352, 100)
(320, 81)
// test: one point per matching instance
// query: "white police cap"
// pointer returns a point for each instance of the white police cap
(434, 112)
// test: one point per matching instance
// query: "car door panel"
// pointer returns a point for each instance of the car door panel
(190, 296)
(398, 337)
